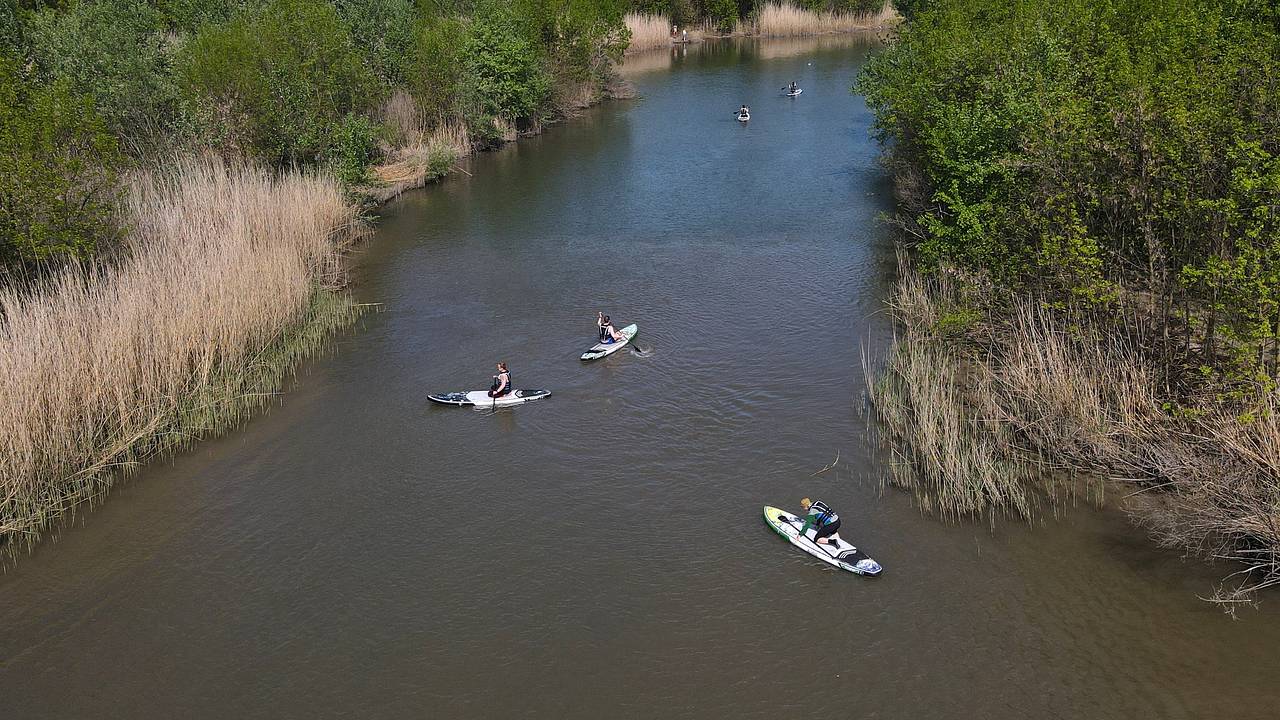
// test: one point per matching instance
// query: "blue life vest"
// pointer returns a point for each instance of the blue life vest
(824, 514)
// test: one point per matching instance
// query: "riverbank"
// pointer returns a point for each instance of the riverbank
(232, 277)
(1072, 308)
(772, 20)
(97, 378)
(224, 272)
(997, 404)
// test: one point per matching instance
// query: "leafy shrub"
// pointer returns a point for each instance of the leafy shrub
(191, 15)
(275, 83)
(353, 148)
(113, 50)
(506, 67)
(58, 170)
(435, 76)
(384, 32)
(724, 13)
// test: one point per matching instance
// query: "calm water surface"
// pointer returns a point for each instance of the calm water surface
(356, 553)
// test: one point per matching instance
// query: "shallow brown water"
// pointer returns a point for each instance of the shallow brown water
(356, 553)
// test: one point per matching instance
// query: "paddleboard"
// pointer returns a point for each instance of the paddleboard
(743, 117)
(797, 92)
(838, 552)
(480, 398)
(600, 350)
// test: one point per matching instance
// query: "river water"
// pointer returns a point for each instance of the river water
(357, 553)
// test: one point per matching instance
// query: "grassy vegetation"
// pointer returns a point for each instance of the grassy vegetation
(647, 32)
(229, 280)
(650, 21)
(178, 181)
(784, 20)
(1091, 196)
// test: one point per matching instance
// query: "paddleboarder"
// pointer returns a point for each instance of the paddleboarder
(501, 382)
(822, 517)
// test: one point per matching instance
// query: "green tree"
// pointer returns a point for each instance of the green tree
(506, 68)
(113, 50)
(275, 83)
(58, 172)
(383, 31)
(436, 72)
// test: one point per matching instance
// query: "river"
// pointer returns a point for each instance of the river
(356, 553)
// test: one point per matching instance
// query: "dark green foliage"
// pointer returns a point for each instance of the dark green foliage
(275, 83)
(113, 50)
(383, 31)
(353, 147)
(188, 16)
(1082, 146)
(507, 68)
(723, 13)
(12, 42)
(435, 75)
(580, 34)
(57, 172)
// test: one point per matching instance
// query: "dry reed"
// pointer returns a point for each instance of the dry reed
(223, 288)
(784, 20)
(648, 32)
(424, 157)
(989, 410)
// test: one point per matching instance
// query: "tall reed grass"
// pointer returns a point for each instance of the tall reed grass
(994, 401)
(785, 20)
(421, 157)
(648, 31)
(225, 284)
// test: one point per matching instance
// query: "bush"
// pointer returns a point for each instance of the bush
(724, 13)
(113, 50)
(11, 41)
(384, 31)
(190, 15)
(435, 77)
(507, 70)
(58, 166)
(353, 148)
(275, 83)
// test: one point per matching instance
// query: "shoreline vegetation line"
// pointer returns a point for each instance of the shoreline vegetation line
(1089, 202)
(183, 181)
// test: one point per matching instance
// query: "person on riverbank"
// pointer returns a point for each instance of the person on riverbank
(501, 382)
(822, 517)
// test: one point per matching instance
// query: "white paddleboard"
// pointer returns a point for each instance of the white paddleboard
(481, 399)
(600, 350)
(743, 117)
(797, 92)
(837, 552)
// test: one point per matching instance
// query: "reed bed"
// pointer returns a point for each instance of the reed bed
(225, 283)
(785, 20)
(648, 32)
(994, 402)
(423, 157)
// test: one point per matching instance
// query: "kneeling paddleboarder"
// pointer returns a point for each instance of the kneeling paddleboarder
(501, 382)
(822, 517)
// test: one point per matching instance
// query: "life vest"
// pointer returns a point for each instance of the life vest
(824, 515)
(497, 381)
